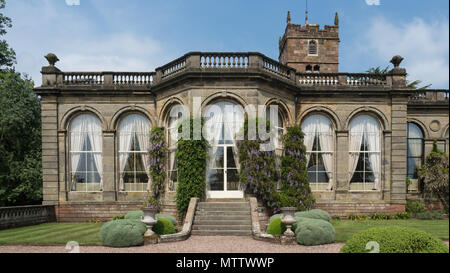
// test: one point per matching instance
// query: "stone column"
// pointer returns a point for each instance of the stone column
(109, 185)
(341, 171)
(49, 112)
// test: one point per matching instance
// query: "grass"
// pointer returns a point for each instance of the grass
(88, 233)
(53, 234)
(346, 228)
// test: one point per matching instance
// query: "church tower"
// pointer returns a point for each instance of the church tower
(309, 49)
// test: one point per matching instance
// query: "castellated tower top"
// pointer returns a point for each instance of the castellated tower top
(310, 49)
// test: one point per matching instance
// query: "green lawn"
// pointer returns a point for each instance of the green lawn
(88, 233)
(346, 228)
(53, 233)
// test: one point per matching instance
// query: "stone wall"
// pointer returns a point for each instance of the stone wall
(12, 217)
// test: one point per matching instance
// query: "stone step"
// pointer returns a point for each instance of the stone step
(227, 200)
(221, 227)
(231, 209)
(222, 217)
(225, 213)
(224, 204)
(222, 232)
(229, 223)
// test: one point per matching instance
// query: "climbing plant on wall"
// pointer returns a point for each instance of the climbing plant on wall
(295, 189)
(191, 156)
(258, 174)
(158, 158)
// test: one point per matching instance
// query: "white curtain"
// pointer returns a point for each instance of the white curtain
(233, 123)
(129, 127)
(81, 127)
(360, 126)
(321, 126)
(213, 128)
(414, 145)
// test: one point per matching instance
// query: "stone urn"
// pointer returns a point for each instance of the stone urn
(288, 219)
(149, 219)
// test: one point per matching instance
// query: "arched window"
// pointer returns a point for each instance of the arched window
(223, 120)
(308, 69)
(86, 153)
(319, 142)
(365, 153)
(134, 141)
(172, 139)
(415, 153)
(312, 47)
(316, 69)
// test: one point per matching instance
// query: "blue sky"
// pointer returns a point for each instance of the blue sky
(140, 35)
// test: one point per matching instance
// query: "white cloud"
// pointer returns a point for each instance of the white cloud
(41, 26)
(373, 2)
(423, 45)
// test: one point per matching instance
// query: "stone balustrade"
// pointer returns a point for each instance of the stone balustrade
(11, 217)
(236, 62)
(429, 96)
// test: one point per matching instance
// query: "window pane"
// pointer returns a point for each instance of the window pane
(128, 177)
(139, 163)
(141, 177)
(90, 163)
(357, 177)
(215, 179)
(174, 176)
(218, 160)
(80, 177)
(129, 167)
(413, 166)
(414, 131)
(415, 147)
(231, 163)
(82, 163)
(232, 180)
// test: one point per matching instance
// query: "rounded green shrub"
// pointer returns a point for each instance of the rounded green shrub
(276, 227)
(135, 214)
(402, 215)
(414, 207)
(395, 239)
(275, 216)
(163, 226)
(313, 214)
(123, 233)
(167, 217)
(310, 232)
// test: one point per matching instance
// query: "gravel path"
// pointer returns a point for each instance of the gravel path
(195, 244)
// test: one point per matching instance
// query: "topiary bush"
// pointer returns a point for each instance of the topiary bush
(276, 227)
(163, 226)
(123, 233)
(275, 216)
(135, 214)
(429, 215)
(414, 207)
(394, 239)
(167, 217)
(312, 232)
(314, 214)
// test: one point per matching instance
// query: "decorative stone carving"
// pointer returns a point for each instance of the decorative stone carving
(396, 60)
(52, 59)
(435, 125)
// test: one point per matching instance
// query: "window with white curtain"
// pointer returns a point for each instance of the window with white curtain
(277, 141)
(319, 142)
(172, 135)
(415, 154)
(134, 141)
(365, 153)
(86, 153)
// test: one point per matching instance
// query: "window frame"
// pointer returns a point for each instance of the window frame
(316, 44)
(408, 157)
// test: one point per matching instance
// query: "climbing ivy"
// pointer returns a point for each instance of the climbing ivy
(191, 156)
(295, 189)
(157, 158)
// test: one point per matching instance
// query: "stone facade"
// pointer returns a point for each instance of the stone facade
(244, 78)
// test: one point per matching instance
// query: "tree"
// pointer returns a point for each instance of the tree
(20, 131)
(384, 71)
(434, 175)
(7, 54)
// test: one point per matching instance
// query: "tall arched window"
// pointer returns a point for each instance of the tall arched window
(134, 140)
(172, 136)
(365, 153)
(312, 47)
(319, 142)
(86, 153)
(415, 153)
(222, 121)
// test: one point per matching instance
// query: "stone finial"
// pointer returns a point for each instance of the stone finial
(52, 59)
(288, 19)
(336, 19)
(396, 60)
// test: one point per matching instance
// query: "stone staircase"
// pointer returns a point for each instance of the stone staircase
(223, 218)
